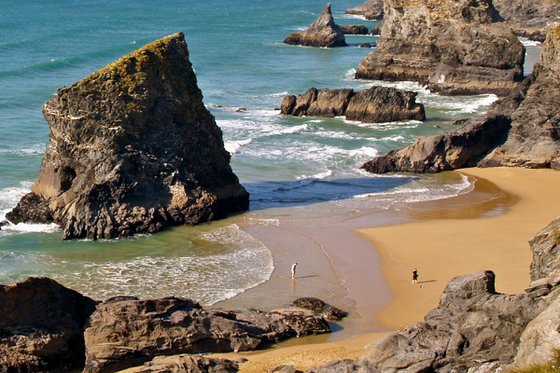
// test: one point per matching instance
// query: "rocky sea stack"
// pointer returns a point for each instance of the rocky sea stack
(521, 130)
(324, 33)
(133, 149)
(371, 9)
(451, 46)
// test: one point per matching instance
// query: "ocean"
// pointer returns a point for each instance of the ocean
(293, 167)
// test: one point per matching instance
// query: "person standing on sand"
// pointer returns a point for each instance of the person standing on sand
(294, 270)
(414, 276)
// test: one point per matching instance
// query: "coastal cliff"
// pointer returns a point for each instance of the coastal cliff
(522, 130)
(451, 46)
(323, 33)
(133, 149)
(371, 9)
(529, 18)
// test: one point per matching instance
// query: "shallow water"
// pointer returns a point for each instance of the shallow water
(300, 167)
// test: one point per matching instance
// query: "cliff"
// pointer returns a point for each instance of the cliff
(521, 130)
(371, 9)
(451, 46)
(132, 149)
(529, 18)
(323, 32)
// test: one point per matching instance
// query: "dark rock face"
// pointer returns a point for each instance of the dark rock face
(319, 307)
(546, 252)
(377, 104)
(125, 333)
(132, 150)
(322, 33)
(472, 328)
(354, 29)
(522, 130)
(41, 326)
(449, 45)
(532, 19)
(188, 363)
(371, 9)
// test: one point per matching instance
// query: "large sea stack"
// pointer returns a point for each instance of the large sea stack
(324, 32)
(450, 45)
(133, 149)
(521, 130)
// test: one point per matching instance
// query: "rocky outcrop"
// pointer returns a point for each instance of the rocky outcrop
(187, 363)
(473, 329)
(371, 9)
(128, 332)
(319, 307)
(41, 326)
(354, 29)
(374, 105)
(529, 18)
(546, 252)
(522, 130)
(451, 46)
(133, 149)
(322, 33)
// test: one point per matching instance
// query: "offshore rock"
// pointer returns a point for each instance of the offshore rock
(132, 150)
(529, 18)
(41, 326)
(371, 9)
(324, 32)
(126, 333)
(451, 46)
(354, 29)
(374, 105)
(522, 130)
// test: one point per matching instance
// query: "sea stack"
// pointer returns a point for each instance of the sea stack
(451, 46)
(322, 33)
(371, 9)
(133, 149)
(521, 130)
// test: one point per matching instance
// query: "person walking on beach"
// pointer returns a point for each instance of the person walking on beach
(414, 275)
(294, 266)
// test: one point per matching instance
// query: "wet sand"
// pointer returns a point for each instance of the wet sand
(368, 270)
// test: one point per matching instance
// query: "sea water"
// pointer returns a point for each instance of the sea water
(300, 166)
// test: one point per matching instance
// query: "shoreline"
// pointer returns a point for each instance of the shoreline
(459, 235)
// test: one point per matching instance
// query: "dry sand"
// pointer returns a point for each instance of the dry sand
(488, 228)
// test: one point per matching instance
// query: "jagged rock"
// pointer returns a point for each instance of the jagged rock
(376, 30)
(187, 363)
(546, 252)
(377, 104)
(322, 33)
(354, 29)
(472, 329)
(449, 45)
(319, 307)
(132, 150)
(529, 18)
(41, 326)
(285, 369)
(126, 333)
(371, 9)
(521, 130)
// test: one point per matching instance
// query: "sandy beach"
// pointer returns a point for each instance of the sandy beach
(488, 228)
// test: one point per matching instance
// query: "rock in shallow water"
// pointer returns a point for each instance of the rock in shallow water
(133, 149)
(322, 33)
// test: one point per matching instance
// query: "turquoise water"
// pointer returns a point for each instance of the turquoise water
(237, 52)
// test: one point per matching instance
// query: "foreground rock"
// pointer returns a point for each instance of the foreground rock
(41, 326)
(187, 363)
(522, 130)
(132, 150)
(529, 18)
(374, 105)
(322, 33)
(451, 46)
(371, 9)
(129, 332)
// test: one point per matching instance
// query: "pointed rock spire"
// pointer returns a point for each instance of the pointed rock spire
(323, 32)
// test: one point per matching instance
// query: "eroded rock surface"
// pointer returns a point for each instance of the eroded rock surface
(371, 9)
(133, 149)
(529, 18)
(41, 326)
(324, 32)
(374, 105)
(451, 46)
(187, 363)
(125, 333)
(521, 130)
